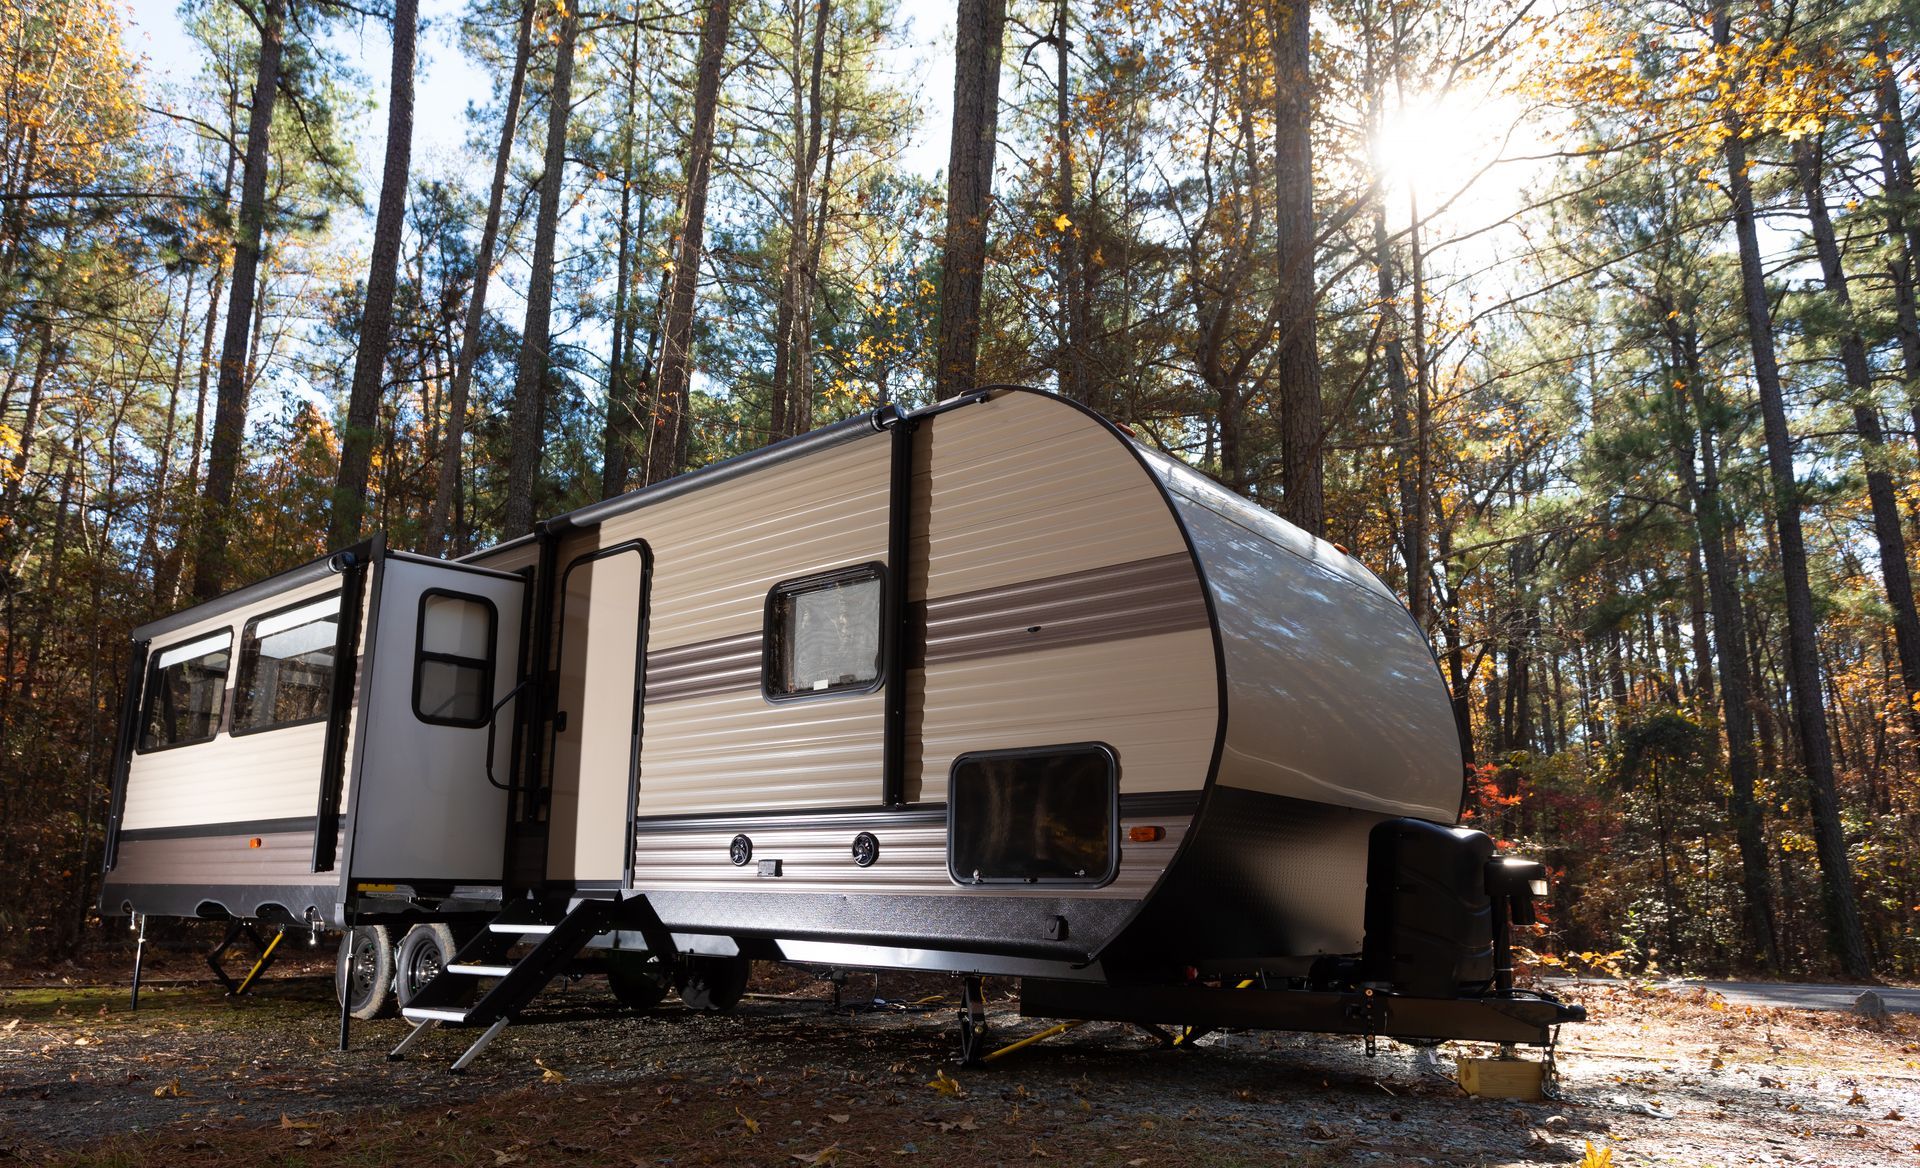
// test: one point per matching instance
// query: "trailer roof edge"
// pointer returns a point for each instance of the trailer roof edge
(241, 597)
(874, 421)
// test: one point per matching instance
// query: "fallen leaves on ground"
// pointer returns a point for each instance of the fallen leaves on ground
(947, 1085)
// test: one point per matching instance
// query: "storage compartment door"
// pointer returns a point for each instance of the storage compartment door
(445, 649)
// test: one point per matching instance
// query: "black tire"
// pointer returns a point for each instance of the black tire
(714, 983)
(637, 980)
(424, 952)
(363, 972)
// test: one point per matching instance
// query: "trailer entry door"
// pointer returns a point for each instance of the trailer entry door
(596, 738)
(444, 651)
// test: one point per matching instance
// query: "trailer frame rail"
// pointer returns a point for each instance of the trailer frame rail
(1522, 1018)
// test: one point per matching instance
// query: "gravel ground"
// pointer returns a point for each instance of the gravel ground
(1658, 1077)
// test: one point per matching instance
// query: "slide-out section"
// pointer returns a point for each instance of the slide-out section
(225, 762)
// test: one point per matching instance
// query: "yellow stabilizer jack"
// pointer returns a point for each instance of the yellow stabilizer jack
(1030, 1039)
(266, 956)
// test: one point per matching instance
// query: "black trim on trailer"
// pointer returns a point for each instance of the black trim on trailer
(288, 903)
(1528, 1019)
(800, 585)
(967, 921)
(535, 715)
(351, 768)
(306, 573)
(525, 679)
(1146, 804)
(240, 659)
(900, 625)
(1142, 805)
(356, 562)
(725, 470)
(488, 665)
(239, 827)
(130, 727)
(865, 817)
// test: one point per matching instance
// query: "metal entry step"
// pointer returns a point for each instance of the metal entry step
(517, 981)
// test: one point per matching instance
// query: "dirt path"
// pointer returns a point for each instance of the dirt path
(1658, 1077)
(1792, 994)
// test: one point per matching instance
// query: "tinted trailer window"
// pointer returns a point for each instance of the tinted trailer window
(286, 667)
(186, 686)
(1033, 816)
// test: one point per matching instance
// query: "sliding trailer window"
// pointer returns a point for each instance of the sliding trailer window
(453, 661)
(186, 688)
(1048, 815)
(823, 634)
(286, 667)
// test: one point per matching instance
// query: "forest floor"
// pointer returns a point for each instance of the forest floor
(1658, 1077)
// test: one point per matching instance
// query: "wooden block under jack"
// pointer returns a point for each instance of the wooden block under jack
(1502, 1078)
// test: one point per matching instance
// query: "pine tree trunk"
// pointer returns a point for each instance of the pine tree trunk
(1866, 419)
(530, 386)
(451, 463)
(1702, 490)
(671, 422)
(979, 31)
(376, 320)
(623, 398)
(163, 469)
(614, 458)
(1074, 382)
(1297, 369)
(1697, 617)
(1903, 237)
(793, 325)
(1845, 938)
(231, 388)
(1400, 404)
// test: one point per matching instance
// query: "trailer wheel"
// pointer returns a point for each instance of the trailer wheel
(363, 972)
(714, 983)
(637, 980)
(423, 954)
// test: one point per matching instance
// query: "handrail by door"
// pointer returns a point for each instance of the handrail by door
(493, 721)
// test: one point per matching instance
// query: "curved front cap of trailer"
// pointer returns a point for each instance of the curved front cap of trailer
(1333, 694)
(1337, 718)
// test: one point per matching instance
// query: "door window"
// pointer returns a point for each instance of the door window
(453, 666)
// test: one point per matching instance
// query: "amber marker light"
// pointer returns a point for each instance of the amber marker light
(1146, 835)
(254, 842)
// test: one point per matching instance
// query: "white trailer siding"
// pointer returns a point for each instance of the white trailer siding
(711, 742)
(1062, 603)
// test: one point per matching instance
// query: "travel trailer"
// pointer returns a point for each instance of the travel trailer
(988, 688)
